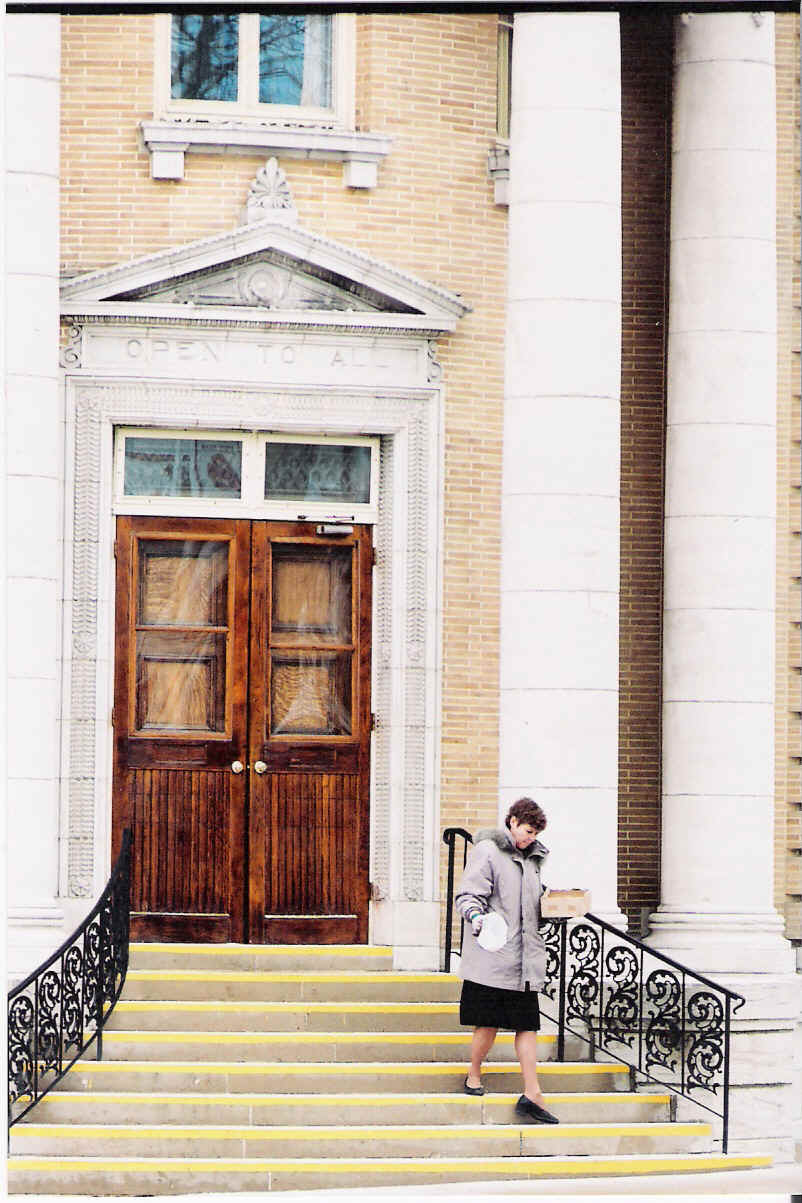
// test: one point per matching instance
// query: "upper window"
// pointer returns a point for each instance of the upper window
(504, 76)
(289, 66)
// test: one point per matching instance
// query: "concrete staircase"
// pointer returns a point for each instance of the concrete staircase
(233, 1068)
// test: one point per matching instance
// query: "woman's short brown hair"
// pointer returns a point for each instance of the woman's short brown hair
(526, 810)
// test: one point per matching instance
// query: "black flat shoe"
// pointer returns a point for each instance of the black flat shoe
(528, 1110)
(473, 1089)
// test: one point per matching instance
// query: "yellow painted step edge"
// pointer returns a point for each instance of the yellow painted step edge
(344, 1100)
(515, 1167)
(318, 1008)
(547, 1068)
(269, 950)
(365, 1131)
(243, 975)
(227, 1037)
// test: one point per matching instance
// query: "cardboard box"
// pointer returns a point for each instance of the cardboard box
(565, 904)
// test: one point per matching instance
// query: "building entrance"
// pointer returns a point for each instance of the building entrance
(242, 728)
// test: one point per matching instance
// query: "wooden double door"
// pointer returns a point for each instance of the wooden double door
(242, 728)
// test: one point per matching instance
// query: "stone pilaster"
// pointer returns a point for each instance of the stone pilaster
(561, 474)
(34, 484)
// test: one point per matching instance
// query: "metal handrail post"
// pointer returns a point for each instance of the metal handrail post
(563, 959)
(450, 838)
(725, 1114)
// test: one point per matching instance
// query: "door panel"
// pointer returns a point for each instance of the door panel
(181, 722)
(276, 852)
(310, 734)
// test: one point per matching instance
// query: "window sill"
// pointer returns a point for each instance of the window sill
(498, 168)
(168, 141)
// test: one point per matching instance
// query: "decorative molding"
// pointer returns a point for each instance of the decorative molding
(71, 351)
(270, 196)
(167, 142)
(405, 652)
(404, 296)
(434, 369)
(498, 168)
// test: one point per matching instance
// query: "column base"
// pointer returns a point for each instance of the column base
(723, 942)
(34, 932)
(413, 930)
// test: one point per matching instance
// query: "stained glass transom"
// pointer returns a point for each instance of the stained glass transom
(317, 472)
(182, 468)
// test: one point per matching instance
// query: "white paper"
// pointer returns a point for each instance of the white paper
(493, 934)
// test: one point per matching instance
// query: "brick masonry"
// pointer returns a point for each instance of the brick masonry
(646, 56)
(788, 812)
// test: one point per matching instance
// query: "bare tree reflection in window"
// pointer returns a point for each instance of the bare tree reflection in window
(295, 59)
(204, 57)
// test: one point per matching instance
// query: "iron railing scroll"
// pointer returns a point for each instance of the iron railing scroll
(56, 1013)
(634, 1004)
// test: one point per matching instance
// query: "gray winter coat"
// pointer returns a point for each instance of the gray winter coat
(500, 877)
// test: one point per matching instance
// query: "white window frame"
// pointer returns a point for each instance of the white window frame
(252, 502)
(340, 115)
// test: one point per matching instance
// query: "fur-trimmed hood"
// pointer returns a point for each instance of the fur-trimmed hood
(504, 842)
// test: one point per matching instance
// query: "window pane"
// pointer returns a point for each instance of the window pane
(310, 693)
(317, 472)
(204, 57)
(182, 468)
(182, 582)
(180, 681)
(295, 59)
(311, 595)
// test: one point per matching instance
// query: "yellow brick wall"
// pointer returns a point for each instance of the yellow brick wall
(788, 813)
(429, 81)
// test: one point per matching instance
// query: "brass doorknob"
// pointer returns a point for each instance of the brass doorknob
(260, 767)
(237, 767)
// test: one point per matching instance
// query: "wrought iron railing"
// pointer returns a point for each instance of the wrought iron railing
(631, 1002)
(56, 1013)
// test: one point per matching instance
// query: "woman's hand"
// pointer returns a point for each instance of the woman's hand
(476, 920)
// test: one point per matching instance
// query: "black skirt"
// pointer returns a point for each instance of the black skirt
(488, 1007)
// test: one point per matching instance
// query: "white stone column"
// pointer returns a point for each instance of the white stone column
(34, 483)
(717, 913)
(718, 668)
(561, 474)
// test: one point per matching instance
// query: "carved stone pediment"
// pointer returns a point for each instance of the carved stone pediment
(269, 280)
(260, 269)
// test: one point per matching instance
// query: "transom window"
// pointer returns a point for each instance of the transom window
(233, 474)
(286, 64)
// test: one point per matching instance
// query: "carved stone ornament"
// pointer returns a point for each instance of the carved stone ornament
(71, 351)
(270, 196)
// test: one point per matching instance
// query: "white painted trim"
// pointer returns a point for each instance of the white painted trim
(251, 503)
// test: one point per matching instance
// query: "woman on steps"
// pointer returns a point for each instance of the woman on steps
(499, 989)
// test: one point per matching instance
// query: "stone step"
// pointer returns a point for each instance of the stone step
(134, 1107)
(353, 1140)
(163, 1176)
(343, 1077)
(284, 1016)
(323, 1048)
(232, 985)
(261, 957)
